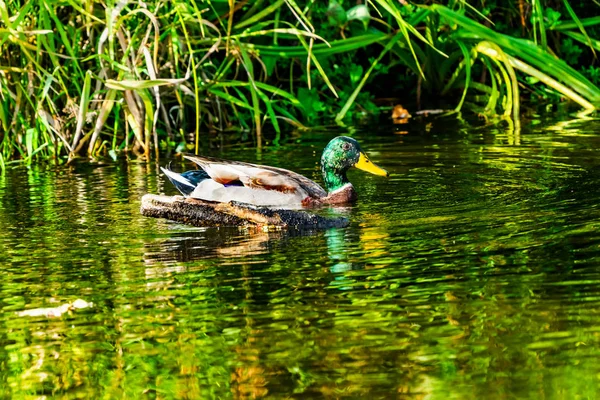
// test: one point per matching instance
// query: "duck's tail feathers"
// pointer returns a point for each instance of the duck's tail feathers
(179, 181)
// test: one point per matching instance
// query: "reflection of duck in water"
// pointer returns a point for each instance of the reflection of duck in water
(213, 245)
(225, 181)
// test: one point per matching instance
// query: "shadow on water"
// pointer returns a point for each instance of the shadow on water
(473, 272)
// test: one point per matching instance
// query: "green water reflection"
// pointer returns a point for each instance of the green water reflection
(473, 272)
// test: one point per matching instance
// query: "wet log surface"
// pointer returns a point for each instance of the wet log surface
(202, 213)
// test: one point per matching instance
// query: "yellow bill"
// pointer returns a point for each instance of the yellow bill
(367, 165)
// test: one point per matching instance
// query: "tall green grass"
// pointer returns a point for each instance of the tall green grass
(98, 78)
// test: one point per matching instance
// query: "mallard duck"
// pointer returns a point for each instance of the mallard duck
(225, 181)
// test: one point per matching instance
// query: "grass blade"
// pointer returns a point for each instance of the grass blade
(579, 25)
(340, 116)
(592, 21)
(586, 40)
(526, 50)
(83, 107)
(260, 15)
(467, 62)
(494, 53)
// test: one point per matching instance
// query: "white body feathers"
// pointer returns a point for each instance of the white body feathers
(248, 183)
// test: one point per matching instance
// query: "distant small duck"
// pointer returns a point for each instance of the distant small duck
(225, 181)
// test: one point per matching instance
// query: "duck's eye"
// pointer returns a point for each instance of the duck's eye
(346, 146)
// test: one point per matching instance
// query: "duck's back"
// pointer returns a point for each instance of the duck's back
(252, 183)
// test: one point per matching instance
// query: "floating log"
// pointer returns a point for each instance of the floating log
(204, 213)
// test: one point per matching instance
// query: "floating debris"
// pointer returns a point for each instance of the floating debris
(400, 113)
(55, 312)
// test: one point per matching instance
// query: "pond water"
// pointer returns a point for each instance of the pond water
(472, 272)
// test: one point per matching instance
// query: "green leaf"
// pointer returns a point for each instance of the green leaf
(552, 17)
(311, 102)
(356, 72)
(270, 62)
(336, 14)
(359, 12)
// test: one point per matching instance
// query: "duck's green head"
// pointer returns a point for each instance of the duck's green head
(340, 154)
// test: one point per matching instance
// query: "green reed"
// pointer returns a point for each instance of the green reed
(99, 78)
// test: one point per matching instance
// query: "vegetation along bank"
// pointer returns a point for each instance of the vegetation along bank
(99, 78)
